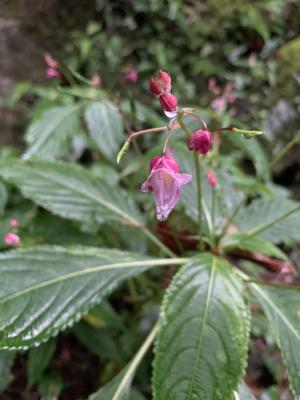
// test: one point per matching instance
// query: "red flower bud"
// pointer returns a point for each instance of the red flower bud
(200, 141)
(160, 83)
(212, 178)
(168, 102)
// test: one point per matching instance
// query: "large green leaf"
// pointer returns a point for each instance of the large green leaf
(38, 360)
(105, 127)
(46, 137)
(202, 344)
(265, 210)
(282, 307)
(70, 191)
(45, 289)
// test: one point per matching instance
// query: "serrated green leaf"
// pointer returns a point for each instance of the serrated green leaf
(6, 360)
(105, 127)
(265, 210)
(252, 243)
(70, 191)
(3, 197)
(282, 307)
(46, 137)
(43, 290)
(108, 391)
(38, 360)
(202, 344)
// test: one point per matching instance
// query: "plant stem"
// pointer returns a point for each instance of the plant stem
(158, 243)
(198, 184)
(135, 363)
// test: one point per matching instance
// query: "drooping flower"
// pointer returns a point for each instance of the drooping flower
(168, 102)
(14, 223)
(11, 239)
(200, 141)
(160, 83)
(165, 183)
(211, 177)
(52, 73)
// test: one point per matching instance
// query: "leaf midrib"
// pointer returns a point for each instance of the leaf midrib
(277, 310)
(86, 194)
(35, 147)
(86, 271)
(203, 325)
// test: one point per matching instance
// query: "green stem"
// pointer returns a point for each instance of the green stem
(158, 243)
(135, 363)
(198, 184)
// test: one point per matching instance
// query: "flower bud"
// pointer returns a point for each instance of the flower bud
(166, 161)
(168, 102)
(212, 178)
(11, 239)
(200, 141)
(160, 84)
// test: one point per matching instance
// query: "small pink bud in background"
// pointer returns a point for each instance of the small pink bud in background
(165, 183)
(11, 239)
(212, 178)
(131, 75)
(52, 73)
(168, 102)
(50, 61)
(213, 87)
(200, 141)
(160, 83)
(14, 223)
(219, 104)
(96, 81)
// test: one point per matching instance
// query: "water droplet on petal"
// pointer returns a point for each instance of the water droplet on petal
(170, 114)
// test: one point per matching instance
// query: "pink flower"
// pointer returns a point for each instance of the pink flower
(50, 61)
(219, 103)
(213, 87)
(160, 83)
(200, 141)
(165, 182)
(52, 73)
(131, 75)
(96, 81)
(11, 239)
(14, 223)
(168, 102)
(212, 178)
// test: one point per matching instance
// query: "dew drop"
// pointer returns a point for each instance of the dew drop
(170, 114)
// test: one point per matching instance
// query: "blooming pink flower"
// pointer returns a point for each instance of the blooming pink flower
(168, 102)
(96, 81)
(160, 83)
(165, 182)
(131, 75)
(212, 178)
(219, 103)
(213, 87)
(200, 141)
(14, 223)
(11, 239)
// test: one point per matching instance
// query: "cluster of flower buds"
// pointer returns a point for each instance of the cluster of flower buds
(52, 67)
(160, 86)
(11, 238)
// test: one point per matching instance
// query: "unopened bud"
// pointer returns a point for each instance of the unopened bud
(168, 102)
(200, 141)
(160, 84)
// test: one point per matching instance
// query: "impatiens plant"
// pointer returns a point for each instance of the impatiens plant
(229, 224)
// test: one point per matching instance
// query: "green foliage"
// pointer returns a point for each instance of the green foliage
(38, 360)
(47, 137)
(203, 339)
(6, 360)
(244, 392)
(60, 286)
(105, 127)
(265, 210)
(282, 308)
